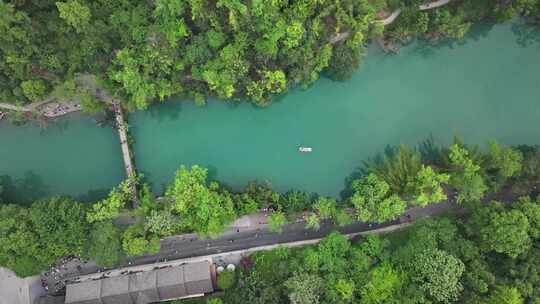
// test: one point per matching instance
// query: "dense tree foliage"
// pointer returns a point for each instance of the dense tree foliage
(466, 177)
(276, 221)
(427, 186)
(150, 50)
(505, 295)
(373, 202)
(435, 261)
(226, 279)
(503, 230)
(104, 244)
(398, 167)
(438, 274)
(200, 206)
(137, 241)
(502, 162)
(110, 207)
(304, 288)
(455, 19)
(33, 238)
(344, 62)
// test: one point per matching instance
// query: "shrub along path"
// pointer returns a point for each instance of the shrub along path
(258, 235)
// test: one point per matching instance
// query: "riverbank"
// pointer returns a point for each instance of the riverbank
(53, 108)
(390, 100)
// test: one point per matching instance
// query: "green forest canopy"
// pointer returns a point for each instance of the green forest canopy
(149, 50)
(440, 260)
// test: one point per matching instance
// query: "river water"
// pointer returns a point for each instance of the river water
(487, 86)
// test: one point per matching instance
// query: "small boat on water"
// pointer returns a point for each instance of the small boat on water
(305, 149)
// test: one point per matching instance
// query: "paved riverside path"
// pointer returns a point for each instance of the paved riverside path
(391, 18)
(237, 241)
(243, 238)
(424, 7)
(184, 246)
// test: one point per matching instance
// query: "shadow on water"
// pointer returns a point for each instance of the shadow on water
(61, 124)
(427, 49)
(157, 189)
(479, 31)
(212, 172)
(363, 169)
(93, 195)
(526, 34)
(31, 187)
(172, 112)
(23, 190)
(431, 152)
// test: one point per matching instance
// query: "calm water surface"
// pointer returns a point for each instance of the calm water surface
(487, 87)
(72, 156)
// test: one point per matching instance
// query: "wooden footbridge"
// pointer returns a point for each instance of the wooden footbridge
(126, 153)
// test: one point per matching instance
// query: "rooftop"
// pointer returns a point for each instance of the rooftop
(186, 280)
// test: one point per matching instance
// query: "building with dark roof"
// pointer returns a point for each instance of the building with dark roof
(171, 282)
(188, 280)
(143, 287)
(116, 291)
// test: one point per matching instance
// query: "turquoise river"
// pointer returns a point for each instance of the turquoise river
(487, 86)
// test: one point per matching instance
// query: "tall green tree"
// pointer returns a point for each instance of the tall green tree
(200, 206)
(502, 162)
(276, 221)
(531, 209)
(325, 207)
(75, 13)
(169, 17)
(505, 295)
(110, 207)
(137, 241)
(438, 274)
(344, 61)
(34, 90)
(427, 186)
(398, 167)
(465, 175)
(19, 243)
(304, 288)
(313, 222)
(104, 244)
(374, 202)
(501, 230)
(383, 286)
(61, 226)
